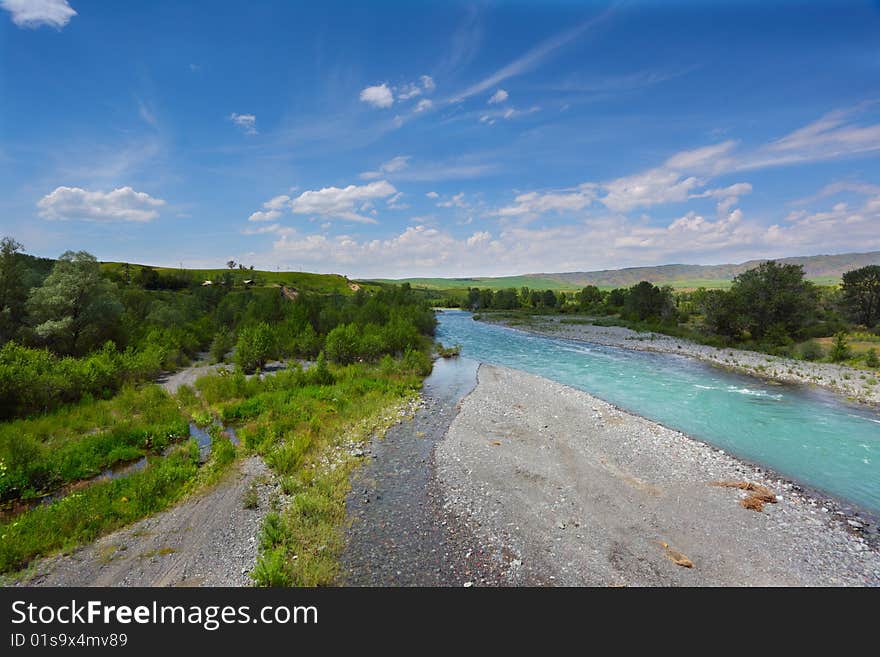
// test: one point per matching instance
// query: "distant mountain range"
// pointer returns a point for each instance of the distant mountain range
(823, 269)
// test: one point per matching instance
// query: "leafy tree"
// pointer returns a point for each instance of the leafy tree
(75, 309)
(840, 350)
(343, 344)
(13, 292)
(254, 347)
(548, 299)
(230, 264)
(644, 301)
(473, 298)
(148, 278)
(721, 312)
(774, 294)
(861, 293)
(589, 297)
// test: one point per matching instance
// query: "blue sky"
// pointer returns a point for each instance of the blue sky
(439, 138)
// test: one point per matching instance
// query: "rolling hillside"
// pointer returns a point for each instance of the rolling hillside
(821, 269)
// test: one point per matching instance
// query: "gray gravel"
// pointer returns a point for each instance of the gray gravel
(399, 534)
(569, 490)
(207, 540)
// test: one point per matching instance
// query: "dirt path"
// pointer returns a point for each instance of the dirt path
(399, 533)
(579, 492)
(207, 540)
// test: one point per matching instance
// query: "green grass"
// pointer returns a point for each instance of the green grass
(83, 516)
(79, 441)
(304, 430)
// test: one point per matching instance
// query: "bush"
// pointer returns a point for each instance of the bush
(254, 347)
(840, 350)
(871, 359)
(221, 344)
(343, 344)
(812, 350)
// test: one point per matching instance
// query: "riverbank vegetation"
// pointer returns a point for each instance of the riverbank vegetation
(81, 344)
(771, 308)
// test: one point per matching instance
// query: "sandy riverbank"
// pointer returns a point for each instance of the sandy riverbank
(853, 383)
(570, 490)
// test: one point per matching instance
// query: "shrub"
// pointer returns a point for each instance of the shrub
(871, 359)
(343, 344)
(812, 350)
(254, 347)
(840, 350)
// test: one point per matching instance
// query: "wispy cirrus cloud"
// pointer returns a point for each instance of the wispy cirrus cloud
(533, 57)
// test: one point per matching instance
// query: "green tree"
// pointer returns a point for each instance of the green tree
(13, 293)
(75, 309)
(840, 349)
(721, 312)
(254, 347)
(861, 293)
(343, 344)
(773, 294)
(644, 301)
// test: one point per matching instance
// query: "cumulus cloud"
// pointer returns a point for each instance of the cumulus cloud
(272, 209)
(247, 122)
(122, 204)
(498, 97)
(379, 96)
(432, 195)
(341, 202)
(383, 96)
(36, 13)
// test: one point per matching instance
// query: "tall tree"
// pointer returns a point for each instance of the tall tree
(774, 295)
(76, 307)
(861, 293)
(13, 292)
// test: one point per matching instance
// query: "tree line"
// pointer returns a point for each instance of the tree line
(68, 329)
(770, 306)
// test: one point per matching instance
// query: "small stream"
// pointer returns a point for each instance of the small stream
(115, 471)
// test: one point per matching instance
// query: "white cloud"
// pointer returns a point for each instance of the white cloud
(341, 202)
(247, 122)
(432, 195)
(456, 201)
(532, 58)
(272, 209)
(651, 187)
(393, 165)
(535, 203)
(498, 97)
(122, 204)
(378, 96)
(427, 83)
(424, 105)
(36, 13)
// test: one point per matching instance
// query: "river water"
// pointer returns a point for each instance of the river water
(808, 435)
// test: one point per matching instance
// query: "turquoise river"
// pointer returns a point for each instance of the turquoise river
(808, 435)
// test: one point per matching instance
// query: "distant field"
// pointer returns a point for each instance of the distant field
(499, 283)
(538, 283)
(305, 281)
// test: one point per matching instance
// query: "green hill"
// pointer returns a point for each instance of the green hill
(821, 269)
(304, 281)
